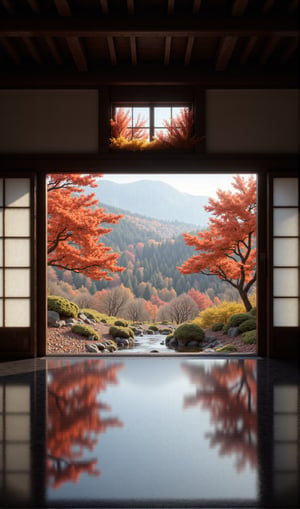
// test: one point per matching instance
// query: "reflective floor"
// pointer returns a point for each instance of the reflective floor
(149, 432)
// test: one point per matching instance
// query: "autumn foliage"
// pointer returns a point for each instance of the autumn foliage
(226, 248)
(177, 133)
(228, 391)
(75, 417)
(75, 227)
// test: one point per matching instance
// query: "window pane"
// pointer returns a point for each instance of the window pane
(286, 282)
(286, 192)
(17, 313)
(17, 283)
(1, 223)
(285, 427)
(1, 312)
(17, 427)
(1, 282)
(17, 253)
(141, 115)
(1, 252)
(161, 114)
(286, 222)
(286, 252)
(285, 457)
(17, 223)
(17, 398)
(19, 483)
(286, 312)
(18, 457)
(17, 192)
(285, 398)
(1, 192)
(177, 111)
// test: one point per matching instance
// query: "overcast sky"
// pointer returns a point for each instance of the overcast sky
(201, 185)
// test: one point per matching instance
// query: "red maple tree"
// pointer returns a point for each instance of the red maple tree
(75, 417)
(226, 248)
(229, 392)
(74, 227)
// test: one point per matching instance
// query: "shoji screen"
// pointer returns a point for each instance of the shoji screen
(285, 262)
(16, 271)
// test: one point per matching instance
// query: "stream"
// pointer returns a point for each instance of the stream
(147, 343)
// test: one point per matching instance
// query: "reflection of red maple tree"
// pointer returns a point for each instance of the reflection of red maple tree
(228, 391)
(74, 417)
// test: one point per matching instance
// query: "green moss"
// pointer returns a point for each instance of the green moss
(153, 327)
(252, 312)
(235, 321)
(247, 325)
(120, 323)
(249, 338)
(62, 306)
(121, 332)
(189, 332)
(85, 330)
(92, 314)
(217, 326)
(226, 349)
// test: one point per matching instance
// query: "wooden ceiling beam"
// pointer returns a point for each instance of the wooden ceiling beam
(63, 7)
(34, 6)
(53, 50)
(188, 50)
(8, 6)
(133, 51)
(239, 7)
(196, 6)
(30, 46)
(268, 5)
(104, 6)
(130, 7)
(171, 5)
(168, 44)
(269, 49)
(248, 49)
(112, 50)
(225, 52)
(10, 50)
(147, 26)
(155, 75)
(289, 50)
(77, 52)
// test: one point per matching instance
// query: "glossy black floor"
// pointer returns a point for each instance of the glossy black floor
(149, 432)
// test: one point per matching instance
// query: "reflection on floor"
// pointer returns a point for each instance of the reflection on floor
(149, 432)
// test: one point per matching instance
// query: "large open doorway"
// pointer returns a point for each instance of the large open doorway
(149, 261)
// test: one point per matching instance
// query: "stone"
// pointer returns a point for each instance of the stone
(91, 348)
(61, 323)
(82, 316)
(71, 321)
(154, 351)
(233, 332)
(162, 343)
(172, 343)
(194, 343)
(53, 319)
(100, 346)
(209, 350)
(208, 339)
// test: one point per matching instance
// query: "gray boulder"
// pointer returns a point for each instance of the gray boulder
(91, 348)
(53, 319)
(233, 332)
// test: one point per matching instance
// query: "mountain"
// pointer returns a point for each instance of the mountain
(154, 199)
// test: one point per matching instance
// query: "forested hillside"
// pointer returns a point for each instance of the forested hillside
(150, 251)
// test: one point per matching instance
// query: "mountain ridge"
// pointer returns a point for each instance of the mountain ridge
(154, 199)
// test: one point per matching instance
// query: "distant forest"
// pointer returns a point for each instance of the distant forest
(150, 250)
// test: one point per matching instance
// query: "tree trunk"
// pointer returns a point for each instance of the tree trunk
(245, 299)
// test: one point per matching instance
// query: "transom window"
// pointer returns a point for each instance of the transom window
(148, 121)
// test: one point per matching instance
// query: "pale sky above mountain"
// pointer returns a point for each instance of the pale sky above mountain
(195, 184)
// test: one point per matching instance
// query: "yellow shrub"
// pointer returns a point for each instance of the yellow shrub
(220, 313)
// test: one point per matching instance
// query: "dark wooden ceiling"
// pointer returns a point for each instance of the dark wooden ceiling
(217, 43)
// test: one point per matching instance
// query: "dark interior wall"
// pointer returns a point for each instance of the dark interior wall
(66, 121)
